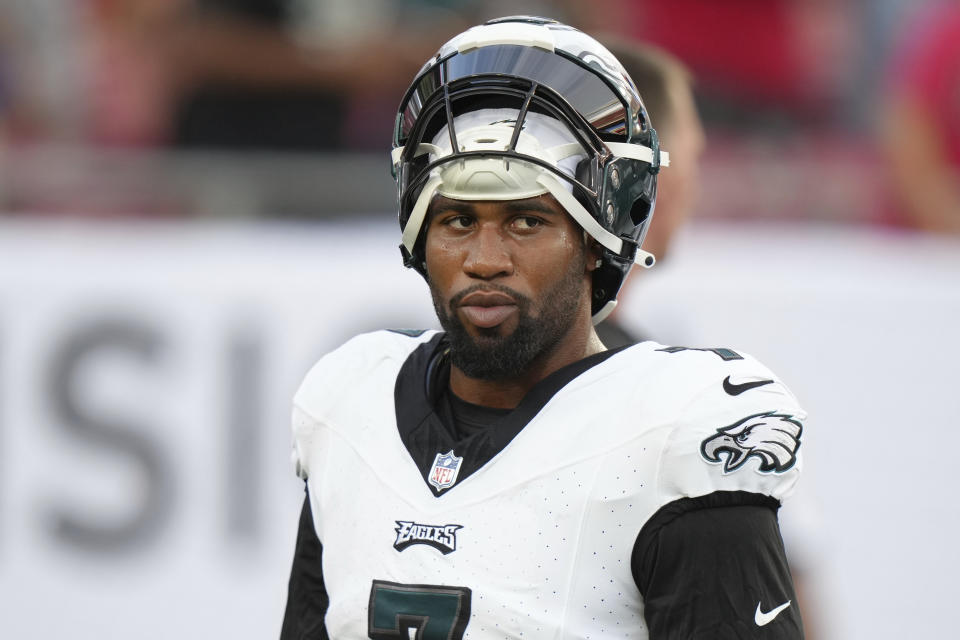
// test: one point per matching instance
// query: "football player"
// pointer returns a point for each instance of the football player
(509, 477)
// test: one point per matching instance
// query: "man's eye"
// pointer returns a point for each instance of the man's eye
(527, 222)
(459, 222)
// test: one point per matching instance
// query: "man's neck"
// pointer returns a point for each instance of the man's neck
(507, 393)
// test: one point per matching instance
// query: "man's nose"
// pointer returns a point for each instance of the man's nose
(488, 255)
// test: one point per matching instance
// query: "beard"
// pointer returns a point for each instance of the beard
(491, 356)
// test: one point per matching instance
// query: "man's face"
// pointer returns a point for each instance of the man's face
(508, 280)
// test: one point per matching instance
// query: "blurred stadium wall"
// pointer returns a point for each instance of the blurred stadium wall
(146, 370)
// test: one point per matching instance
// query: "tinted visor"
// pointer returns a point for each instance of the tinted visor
(584, 90)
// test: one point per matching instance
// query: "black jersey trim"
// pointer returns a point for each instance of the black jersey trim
(424, 434)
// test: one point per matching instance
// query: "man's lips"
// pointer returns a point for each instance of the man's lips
(487, 309)
(488, 317)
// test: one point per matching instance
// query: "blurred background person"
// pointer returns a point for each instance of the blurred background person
(39, 45)
(666, 86)
(768, 64)
(92, 72)
(297, 74)
(920, 129)
(314, 74)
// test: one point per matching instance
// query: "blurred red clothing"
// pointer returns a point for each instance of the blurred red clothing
(926, 72)
(129, 94)
(744, 42)
(757, 53)
(129, 88)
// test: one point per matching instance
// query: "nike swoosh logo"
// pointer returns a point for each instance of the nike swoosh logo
(736, 389)
(762, 618)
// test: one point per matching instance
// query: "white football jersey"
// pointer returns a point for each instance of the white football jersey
(536, 541)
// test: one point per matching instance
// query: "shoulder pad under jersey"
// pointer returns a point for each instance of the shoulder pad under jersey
(348, 374)
(740, 429)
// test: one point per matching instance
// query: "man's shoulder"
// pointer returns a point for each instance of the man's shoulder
(733, 425)
(354, 364)
(367, 348)
(680, 374)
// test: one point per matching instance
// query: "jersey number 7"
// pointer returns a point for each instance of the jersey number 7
(436, 612)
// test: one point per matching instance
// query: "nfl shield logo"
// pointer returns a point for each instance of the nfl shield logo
(444, 472)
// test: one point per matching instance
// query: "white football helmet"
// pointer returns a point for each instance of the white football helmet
(523, 106)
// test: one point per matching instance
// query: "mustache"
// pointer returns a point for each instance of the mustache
(522, 300)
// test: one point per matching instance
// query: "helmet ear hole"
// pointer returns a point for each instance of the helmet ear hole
(640, 211)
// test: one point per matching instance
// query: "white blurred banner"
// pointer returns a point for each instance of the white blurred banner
(146, 372)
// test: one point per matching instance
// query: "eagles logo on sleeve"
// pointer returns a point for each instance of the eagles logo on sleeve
(772, 437)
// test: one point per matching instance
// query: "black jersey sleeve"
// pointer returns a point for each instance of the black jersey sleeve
(714, 567)
(307, 599)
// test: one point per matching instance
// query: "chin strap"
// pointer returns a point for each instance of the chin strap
(412, 229)
(578, 213)
(605, 311)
